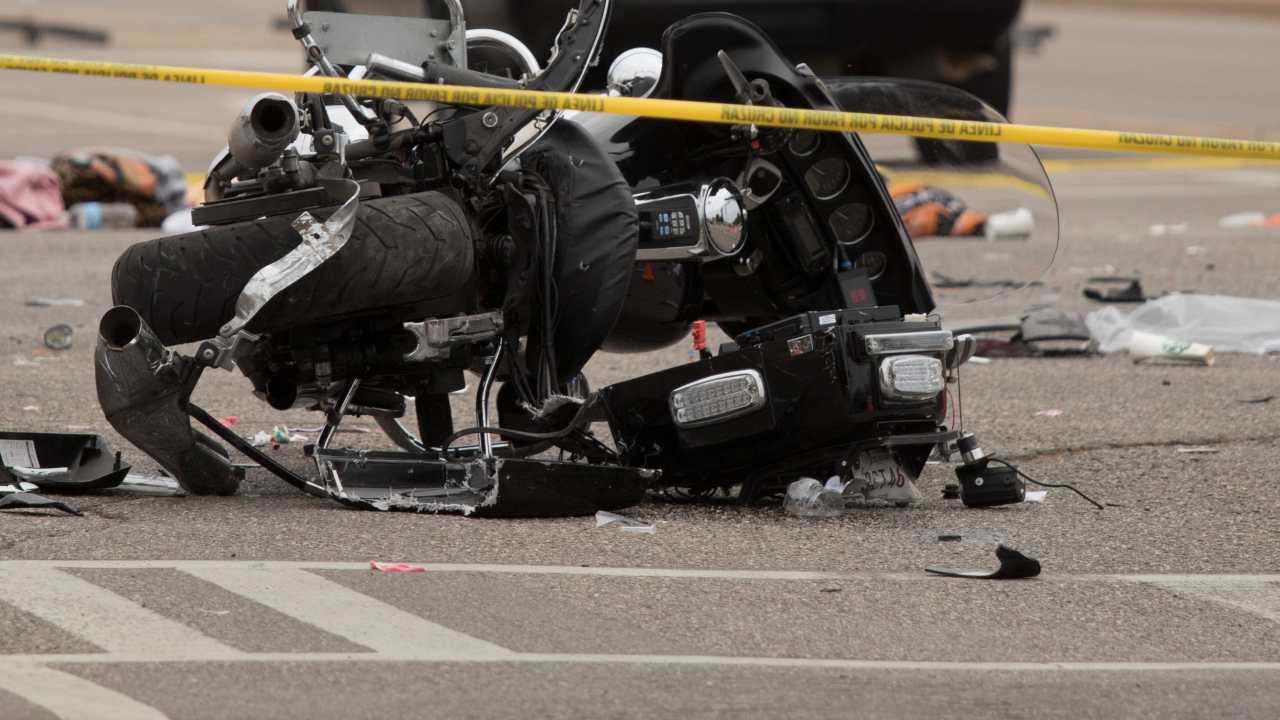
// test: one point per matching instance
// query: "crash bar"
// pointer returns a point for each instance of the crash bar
(683, 110)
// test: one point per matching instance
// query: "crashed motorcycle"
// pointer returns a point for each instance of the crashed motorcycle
(360, 256)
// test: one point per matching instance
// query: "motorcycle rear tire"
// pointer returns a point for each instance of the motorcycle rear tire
(413, 251)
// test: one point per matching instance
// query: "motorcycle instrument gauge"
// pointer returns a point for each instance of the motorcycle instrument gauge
(851, 223)
(874, 262)
(827, 178)
(804, 143)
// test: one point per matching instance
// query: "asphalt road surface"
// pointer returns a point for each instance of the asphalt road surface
(1165, 604)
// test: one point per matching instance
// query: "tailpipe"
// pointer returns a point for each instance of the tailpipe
(143, 389)
(263, 130)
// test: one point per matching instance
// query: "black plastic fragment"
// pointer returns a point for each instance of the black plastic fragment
(31, 501)
(63, 462)
(1132, 291)
(1013, 566)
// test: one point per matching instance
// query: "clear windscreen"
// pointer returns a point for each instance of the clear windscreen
(982, 216)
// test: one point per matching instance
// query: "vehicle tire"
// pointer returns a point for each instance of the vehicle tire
(411, 251)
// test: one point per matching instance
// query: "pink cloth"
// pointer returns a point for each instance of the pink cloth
(30, 197)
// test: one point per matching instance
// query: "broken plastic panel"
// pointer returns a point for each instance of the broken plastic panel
(65, 462)
(31, 501)
(1013, 566)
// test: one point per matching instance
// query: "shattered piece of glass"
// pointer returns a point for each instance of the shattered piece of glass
(605, 518)
(31, 501)
(1202, 450)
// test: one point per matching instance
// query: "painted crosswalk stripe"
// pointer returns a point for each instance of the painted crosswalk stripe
(366, 621)
(1259, 595)
(70, 697)
(101, 617)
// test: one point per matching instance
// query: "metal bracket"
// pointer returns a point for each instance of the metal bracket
(320, 241)
(437, 337)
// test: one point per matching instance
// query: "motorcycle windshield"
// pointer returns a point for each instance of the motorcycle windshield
(982, 216)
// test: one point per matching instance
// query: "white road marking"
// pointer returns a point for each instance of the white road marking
(101, 617)
(1256, 594)
(70, 697)
(339, 610)
(713, 660)
(129, 633)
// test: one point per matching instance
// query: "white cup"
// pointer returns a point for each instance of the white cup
(1013, 225)
(1149, 346)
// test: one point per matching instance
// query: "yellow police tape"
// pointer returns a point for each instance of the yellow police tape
(935, 128)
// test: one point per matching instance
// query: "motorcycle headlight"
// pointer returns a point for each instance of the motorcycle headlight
(717, 398)
(911, 377)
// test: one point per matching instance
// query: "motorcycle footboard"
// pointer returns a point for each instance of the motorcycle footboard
(492, 488)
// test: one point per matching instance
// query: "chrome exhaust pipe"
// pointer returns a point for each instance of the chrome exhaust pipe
(143, 389)
(263, 130)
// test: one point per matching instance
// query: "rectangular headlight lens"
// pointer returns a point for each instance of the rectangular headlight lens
(717, 398)
(928, 341)
(911, 377)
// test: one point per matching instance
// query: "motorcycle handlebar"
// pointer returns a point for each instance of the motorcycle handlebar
(449, 75)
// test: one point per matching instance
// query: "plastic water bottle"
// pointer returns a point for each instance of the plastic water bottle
(807, 497)
(103, 216)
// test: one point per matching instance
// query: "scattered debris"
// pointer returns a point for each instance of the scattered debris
(625, 524)
(1035, 496)
(58, 337)
(13, 485)
(279, 435)
(55, 302)
(396, 567)
(69, 462)
(31, 408)
(1132, 291)
(229, 421)
(1243, 220)
(807, 497)
(151, 187)
(1227, 324)
(1258, 401)
(1013, 566)
(950, 538)
(1162, 229)
(1198, 450)
(136, 483)
(1148, 346)
(31, 501)
(947, 282)
(1041, 333)
(1051, 412)
(1196, 250)
(978, 360)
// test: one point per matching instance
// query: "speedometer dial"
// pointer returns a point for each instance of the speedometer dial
(851, 223)
(804, 143)
(827, 178)
(874, 262)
